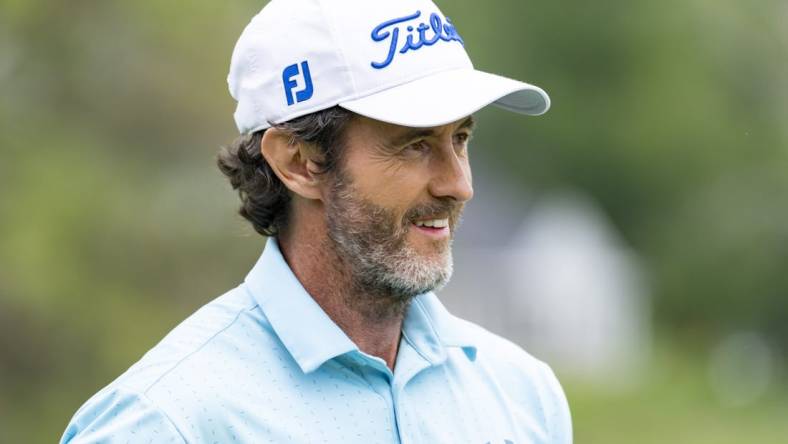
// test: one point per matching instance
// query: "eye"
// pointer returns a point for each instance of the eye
(419, 146)
(462, 138)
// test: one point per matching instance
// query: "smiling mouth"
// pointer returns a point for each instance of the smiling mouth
(434, 228)
(432, 223)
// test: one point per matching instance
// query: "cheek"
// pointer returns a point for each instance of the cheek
(399, 197)
(395, 187)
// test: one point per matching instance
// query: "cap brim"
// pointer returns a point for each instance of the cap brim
(448, 96)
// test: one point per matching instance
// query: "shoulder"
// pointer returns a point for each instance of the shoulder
(213, 328)
(503, 355)
(524, 377)
(141, 403)
(119, 415)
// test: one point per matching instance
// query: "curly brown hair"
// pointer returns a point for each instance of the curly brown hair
(265, 200)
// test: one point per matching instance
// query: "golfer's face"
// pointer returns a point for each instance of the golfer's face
(421, 175)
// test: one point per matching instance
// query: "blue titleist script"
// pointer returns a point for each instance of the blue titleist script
(418, 36)
(288, 79)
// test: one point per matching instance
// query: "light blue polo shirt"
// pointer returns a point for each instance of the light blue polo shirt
(263, 363)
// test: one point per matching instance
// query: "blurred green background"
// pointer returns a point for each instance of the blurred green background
(115, 223)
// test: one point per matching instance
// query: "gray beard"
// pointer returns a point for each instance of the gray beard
(385, 273)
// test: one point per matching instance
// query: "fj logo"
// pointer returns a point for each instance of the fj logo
(290, 83)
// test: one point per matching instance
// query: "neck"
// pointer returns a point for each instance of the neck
(372, 320)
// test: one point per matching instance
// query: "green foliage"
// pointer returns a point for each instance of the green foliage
(674, 404)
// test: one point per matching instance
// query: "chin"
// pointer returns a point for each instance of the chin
(426, 272)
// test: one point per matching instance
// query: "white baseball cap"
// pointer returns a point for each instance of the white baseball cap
(398, 61)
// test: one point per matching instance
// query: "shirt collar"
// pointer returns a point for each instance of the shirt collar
(312, 338)
(431, 328)
(307, 332)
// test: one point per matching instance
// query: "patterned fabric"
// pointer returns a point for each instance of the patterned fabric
(263, 363)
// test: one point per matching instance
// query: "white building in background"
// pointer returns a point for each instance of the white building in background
(553, 276)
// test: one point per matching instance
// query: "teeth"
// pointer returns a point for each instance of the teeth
(434, 223)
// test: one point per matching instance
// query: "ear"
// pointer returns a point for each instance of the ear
(293, 162)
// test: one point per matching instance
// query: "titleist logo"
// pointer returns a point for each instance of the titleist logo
(418, 35)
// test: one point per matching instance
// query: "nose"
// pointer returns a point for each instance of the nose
(451, 175)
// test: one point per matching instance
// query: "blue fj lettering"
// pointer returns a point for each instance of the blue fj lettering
(288, 79)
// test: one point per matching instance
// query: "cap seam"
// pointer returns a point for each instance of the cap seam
(340, 50)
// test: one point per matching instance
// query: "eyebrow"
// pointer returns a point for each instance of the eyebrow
(416, 133)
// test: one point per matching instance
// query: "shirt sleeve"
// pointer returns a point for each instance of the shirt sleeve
(556, 407)
(120, 416)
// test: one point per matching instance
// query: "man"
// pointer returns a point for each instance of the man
(355, 117)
